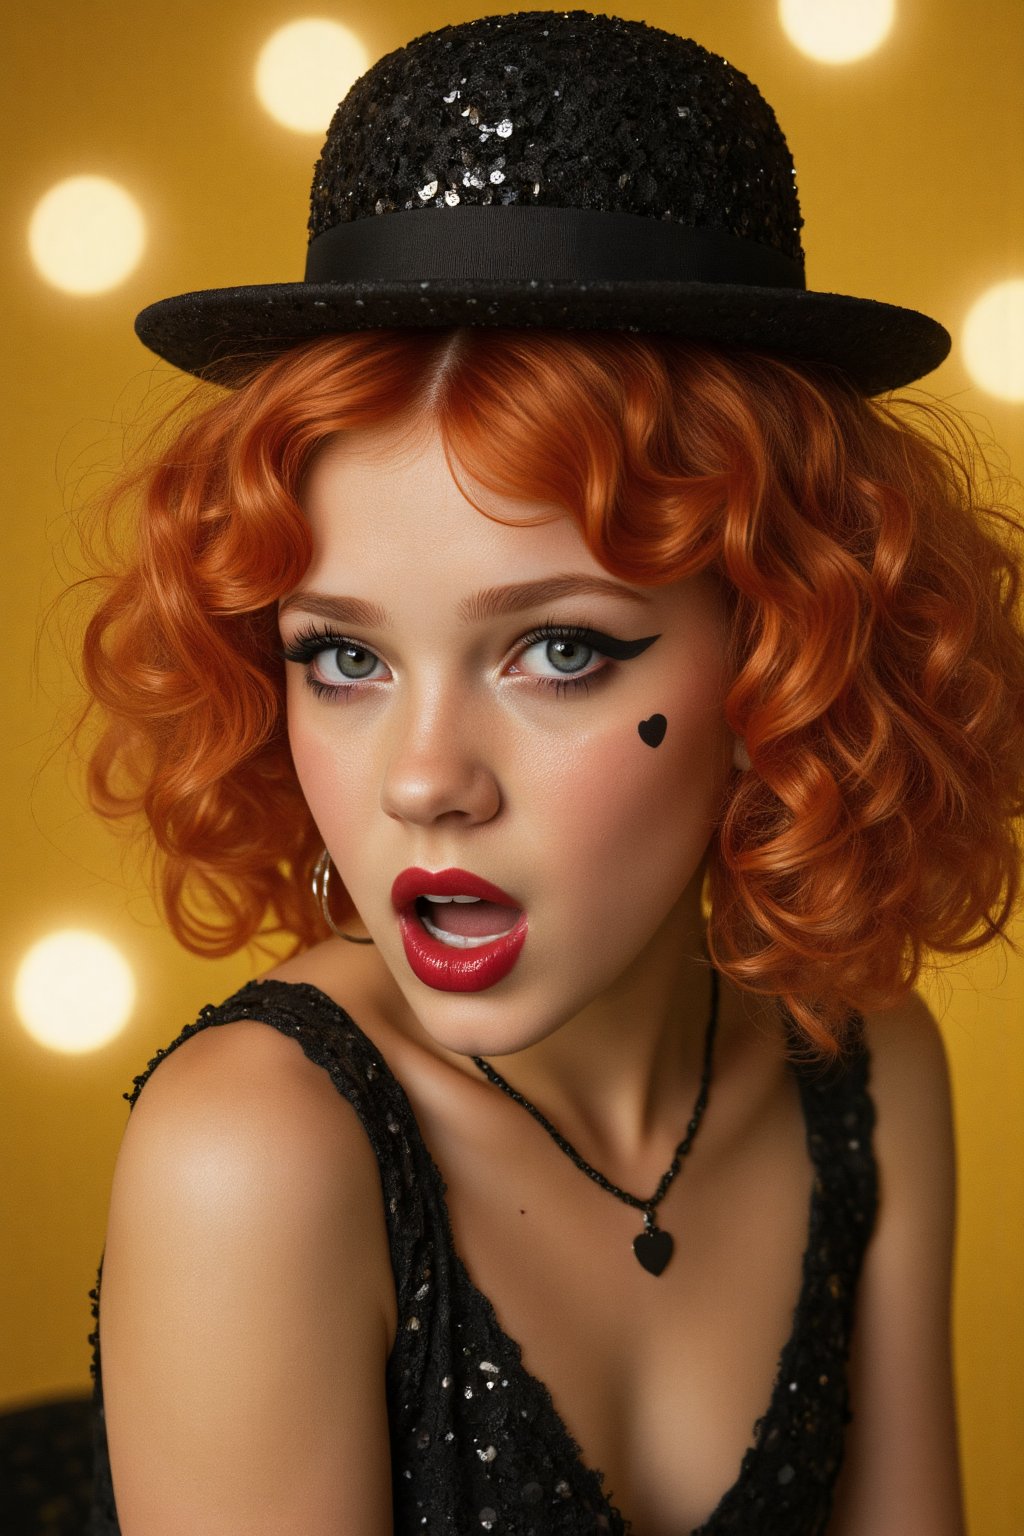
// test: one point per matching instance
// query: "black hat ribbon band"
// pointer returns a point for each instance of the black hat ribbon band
(510, 242)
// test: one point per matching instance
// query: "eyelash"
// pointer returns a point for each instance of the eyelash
(312, 642)
(308, 644)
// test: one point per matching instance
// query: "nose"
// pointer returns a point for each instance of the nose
(440, 765)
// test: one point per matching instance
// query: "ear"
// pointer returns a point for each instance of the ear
(739, 755)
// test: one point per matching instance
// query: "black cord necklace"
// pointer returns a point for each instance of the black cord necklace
(653, 1246)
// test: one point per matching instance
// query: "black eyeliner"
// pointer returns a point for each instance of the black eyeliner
(607, 645)
(307, 644)
(622, 650)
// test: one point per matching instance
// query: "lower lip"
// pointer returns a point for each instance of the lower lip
(458, 970)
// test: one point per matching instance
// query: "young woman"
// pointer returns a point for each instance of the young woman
(639, 698)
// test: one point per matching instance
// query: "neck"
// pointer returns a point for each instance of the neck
(624, 1072)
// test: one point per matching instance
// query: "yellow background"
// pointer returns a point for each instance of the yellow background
(911, 177)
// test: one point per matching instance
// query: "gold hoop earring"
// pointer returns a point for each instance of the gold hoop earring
(321, 886)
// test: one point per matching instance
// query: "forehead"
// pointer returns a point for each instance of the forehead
(385, 499)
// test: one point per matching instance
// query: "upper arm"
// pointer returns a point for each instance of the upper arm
(243, 1327)
(901, 1474)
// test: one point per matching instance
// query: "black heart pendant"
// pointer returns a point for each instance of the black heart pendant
(652, 731)
(653, 1249)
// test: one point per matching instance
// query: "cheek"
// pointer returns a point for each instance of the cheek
(634, 815)
(328, 779)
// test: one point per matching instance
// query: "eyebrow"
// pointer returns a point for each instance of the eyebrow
(492, 602)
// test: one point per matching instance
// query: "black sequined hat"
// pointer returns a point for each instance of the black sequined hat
(559, 169)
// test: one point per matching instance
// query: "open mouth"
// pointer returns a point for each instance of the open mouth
(460, 933)
(465, 922)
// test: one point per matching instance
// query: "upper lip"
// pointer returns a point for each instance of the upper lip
(412, 883)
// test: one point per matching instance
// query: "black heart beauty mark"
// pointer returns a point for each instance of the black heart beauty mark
(652, 731)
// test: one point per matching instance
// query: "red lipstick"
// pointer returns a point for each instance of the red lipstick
(440, 965)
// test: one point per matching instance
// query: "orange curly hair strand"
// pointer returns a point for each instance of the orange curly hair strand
(877, 651)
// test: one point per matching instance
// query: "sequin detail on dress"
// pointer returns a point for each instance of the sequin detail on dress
(476, 1442)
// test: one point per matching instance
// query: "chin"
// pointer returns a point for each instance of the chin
(500, 1021)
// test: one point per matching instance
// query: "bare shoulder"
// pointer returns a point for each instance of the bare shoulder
(901, 1474)
(908, 1039)
(246, 1060)
(244, 1320)
(238, 1097)
(914, 1136)
(910, 1086)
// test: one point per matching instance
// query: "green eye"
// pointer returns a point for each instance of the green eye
(568, 656)
(332, 662)
(352, 661)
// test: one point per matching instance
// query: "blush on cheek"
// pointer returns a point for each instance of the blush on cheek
(650, 802)
(626, 850)
(615, 788)
(327, 785)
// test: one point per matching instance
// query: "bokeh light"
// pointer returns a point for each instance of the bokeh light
(836, 31)
(86, 234)
(73, 991)
(305, 68)
(993, 340)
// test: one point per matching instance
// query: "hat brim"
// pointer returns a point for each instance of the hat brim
(224, 333)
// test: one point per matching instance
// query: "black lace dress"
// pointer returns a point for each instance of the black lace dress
(476, 1441)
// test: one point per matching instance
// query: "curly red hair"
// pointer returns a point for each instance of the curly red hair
(877, 644)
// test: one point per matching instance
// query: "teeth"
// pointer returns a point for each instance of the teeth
(459, 940)
(447, 899)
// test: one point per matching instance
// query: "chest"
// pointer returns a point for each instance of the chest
(658, 1379)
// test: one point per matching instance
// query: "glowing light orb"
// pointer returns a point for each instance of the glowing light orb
(993, 340)
(73, 991)
(86, 234)
(305, 68)
(836, 31)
